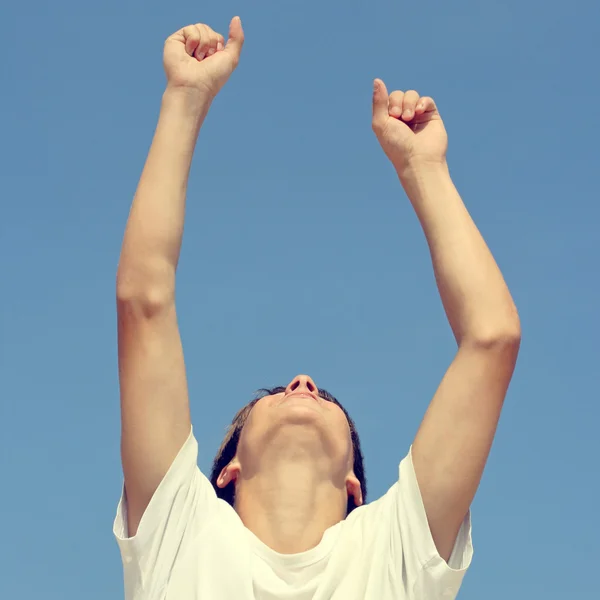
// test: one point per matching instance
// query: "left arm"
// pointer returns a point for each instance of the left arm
(454, 440)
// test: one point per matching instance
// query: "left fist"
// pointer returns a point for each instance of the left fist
(408, 127)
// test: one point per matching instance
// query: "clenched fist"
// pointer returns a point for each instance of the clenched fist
(197, 58)
(408, 127)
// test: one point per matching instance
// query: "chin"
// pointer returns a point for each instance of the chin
(294, 410)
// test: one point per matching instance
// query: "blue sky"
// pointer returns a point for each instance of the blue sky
(287, 152)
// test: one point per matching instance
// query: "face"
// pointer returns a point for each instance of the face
(293, 423)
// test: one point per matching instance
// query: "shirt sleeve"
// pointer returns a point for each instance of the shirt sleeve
(182, 503)
(425, 572)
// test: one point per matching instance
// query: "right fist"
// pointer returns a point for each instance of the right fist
(197, 58)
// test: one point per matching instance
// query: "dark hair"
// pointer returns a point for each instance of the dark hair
(229, 445)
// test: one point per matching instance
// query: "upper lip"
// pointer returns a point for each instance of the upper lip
(309, 394)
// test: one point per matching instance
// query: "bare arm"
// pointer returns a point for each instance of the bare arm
(453, 443)
(154, 397)
(454, 440)
(155, 414)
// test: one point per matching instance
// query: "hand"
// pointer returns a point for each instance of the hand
(408, 127)
(197, 58)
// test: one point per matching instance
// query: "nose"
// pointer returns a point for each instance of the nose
(302, 383)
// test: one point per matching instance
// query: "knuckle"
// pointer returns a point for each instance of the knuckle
(412, 96)
(212, 35)
(396, 97)
(203, 32)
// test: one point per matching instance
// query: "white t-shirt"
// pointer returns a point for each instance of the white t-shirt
(191, 545)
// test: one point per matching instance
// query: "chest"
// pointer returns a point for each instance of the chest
(222, 564)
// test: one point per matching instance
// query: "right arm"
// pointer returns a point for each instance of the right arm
(155, 416)
(155, 413)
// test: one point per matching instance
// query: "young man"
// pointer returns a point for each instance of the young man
(291, 470)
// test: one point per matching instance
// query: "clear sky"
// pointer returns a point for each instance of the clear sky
(301, 254)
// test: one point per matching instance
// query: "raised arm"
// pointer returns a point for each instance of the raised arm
(155, 411)
(453, 443)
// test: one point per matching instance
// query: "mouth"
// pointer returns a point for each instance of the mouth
(306, 395)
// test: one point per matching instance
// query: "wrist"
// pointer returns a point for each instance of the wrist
(417, 170)
(425, 179)
(189, 103)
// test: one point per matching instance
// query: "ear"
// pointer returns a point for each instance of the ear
(228, 474)
(353, 489)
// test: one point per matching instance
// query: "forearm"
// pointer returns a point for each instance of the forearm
(476, 299)
(154, 231)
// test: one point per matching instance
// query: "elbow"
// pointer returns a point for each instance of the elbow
(144, 295)
(508, 340)
(504, 336)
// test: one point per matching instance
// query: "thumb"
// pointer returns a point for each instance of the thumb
(380, 102)
(235, 40)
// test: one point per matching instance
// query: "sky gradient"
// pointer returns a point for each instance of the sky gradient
(301, 255)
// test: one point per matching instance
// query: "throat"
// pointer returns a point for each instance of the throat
(290, 517)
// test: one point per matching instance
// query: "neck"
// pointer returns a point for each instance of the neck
(289, 507)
